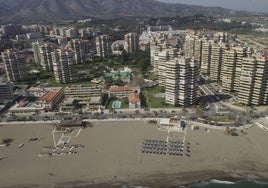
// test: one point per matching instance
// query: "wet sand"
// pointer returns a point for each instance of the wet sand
(112, 154)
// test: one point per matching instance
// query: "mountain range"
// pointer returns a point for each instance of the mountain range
(55, 10)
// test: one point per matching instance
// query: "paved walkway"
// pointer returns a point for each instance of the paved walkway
(126, 119)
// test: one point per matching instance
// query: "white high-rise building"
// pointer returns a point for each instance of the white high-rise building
(205, 57)
(157, 45)
(36, 52)
(131, 42)
(15, 65)
(193, 46)
(181, 81)
(80, 49)
(216, 62)
(231, 68)
(64, 66)
(103, 46)
(42, 55)
(253, 88)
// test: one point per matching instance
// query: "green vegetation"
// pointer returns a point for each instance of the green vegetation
(155, 102)
(151, 76)
(152, 122)
(221, 118)
(53, 83)
(98, 67)
(197, 22)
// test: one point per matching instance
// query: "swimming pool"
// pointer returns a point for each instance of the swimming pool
(30, 105)
(116, 104)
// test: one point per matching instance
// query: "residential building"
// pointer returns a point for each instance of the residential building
(83, 93)
(43, 55)
(157, 45)
(221, 37)
(134, 100)
(205, 57)
(64, 66)
(6, 91)
(103, 46)
(122, 91)
(253, 88)
(216, 62)
(51, 99)
(68, 105)
(164, 56)
(71, 32)
(25, 107)
(15, 65)
(80, 48)
(12, 30)
(36, 52)
(39, 91)
(181, 81)
(193, 47)
(131, 42)
(189, 46)
(231, 68)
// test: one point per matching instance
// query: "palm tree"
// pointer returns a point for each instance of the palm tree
(184, 111)
(228, 131)
(155, 114)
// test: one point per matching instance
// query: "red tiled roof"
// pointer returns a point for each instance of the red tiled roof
(120, 88)
(48, 96)
(134, 97)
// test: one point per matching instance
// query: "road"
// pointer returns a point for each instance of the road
(210, 99)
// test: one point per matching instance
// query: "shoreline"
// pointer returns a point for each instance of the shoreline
(112, 157)
(155, 181)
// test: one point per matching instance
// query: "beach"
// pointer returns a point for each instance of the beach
(112, 155)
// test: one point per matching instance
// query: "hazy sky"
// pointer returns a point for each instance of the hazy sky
(248, 5)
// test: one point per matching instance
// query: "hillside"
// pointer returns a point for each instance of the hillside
(52, 10)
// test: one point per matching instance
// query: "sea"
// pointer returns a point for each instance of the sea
(230, 184)
(213, 183)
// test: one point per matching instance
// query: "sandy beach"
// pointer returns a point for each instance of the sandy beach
(112, 154)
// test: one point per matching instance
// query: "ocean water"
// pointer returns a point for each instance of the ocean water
(208, 184)
(231, 184)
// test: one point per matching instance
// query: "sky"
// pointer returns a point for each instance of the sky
(247, 5)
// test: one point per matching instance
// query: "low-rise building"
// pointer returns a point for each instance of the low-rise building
(51, 99)
(173, 124)
(25, 107)
(39, 91)
(83, 93)
(68, 105)
(6, 91)
(134, 100)
(122, 91)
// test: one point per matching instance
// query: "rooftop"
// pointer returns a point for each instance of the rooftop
(95, 100)
(120, 88)
(134, 97)
(49, 96)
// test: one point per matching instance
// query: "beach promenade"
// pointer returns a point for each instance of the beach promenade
(112, 153)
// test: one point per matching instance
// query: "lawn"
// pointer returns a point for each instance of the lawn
(221, 119)
(155, 102)
(53, 83)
